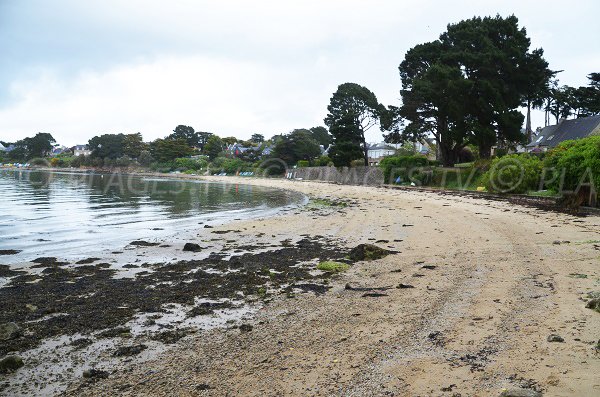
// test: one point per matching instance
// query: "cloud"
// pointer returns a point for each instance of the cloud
(76, 69)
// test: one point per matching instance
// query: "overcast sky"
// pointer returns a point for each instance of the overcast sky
(81, 68)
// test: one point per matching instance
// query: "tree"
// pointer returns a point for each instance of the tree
(322, 136)
(214, 147)
(186, 133)
(355, 105)
(230, 140)
(145, 158)
(107, 146)
(297, 145)
(133, 145)
(257, 138)
(467, 86)
(169, 149)
(38, 146)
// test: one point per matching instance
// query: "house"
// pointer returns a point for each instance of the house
(565, 130)
(378, 151)
(236, 150)
(81, 150)
(59, 150)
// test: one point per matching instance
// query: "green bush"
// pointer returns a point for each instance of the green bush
(408, 168)
(39, 162)
(303, 163)
(456, 178)
(513, 174)
(572, 163)
(323, 161)
(230, 166)
(77, 161)
(357, 163)
(185, 163)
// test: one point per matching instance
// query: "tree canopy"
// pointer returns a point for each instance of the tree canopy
(214, 147)
(353, 110)
(107, 146)
(297, 145)
(467, 86)
(169, 149)
(193, 138)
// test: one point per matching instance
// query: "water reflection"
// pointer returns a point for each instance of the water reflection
(72, 213)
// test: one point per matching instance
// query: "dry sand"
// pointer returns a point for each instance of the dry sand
(496, 286)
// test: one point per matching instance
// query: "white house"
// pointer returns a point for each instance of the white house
(378, 151)
(81, 150)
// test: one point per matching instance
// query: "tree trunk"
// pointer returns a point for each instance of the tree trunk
(365, 149)
(485, 151)
(528, 131)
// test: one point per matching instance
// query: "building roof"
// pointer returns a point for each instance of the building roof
(380, 146)
(565, 130)
(80, 147)
(2, 147)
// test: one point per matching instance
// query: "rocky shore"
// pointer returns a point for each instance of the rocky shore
(467, 297)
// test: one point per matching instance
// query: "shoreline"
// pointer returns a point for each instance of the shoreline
(489, 284)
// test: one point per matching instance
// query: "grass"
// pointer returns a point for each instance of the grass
(542, 193)
(333, 267)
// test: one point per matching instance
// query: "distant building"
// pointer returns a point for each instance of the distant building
(81, 150)
(59, 150)
(236, 150)
(376, 152)
(565, 130)
(2, 148)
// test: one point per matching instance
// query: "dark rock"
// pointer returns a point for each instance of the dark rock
(129, 350)
(9, 252)
(45, 260)
(10, 331)
(368, 252)
(113, 333)
(246, 328)
(373, 295)
(142, 243)
(81, 343)
(518, 392)
(593, 304)
(87, 261)
(428, 267)
(10, 363)
(202, 386)
(95, 374)
(403, 286)
(192, 247)
(208, 227)
(170, 337)
(555, 338)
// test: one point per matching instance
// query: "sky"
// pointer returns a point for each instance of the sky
(78, 68)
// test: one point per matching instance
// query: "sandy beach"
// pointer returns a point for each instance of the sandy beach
(463, 307)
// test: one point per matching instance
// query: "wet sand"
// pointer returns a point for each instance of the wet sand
(463, 307)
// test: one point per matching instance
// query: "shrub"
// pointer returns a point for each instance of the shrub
(405, 167)
(145, 159)
(572, 163)
(323, 161)
(357, 163)
(333, 267)
(77, 161)
(303, 163)
(185, 163)
(39, 162)
(456, 178)
(123, 161)
(230, 166)
(513, 174)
